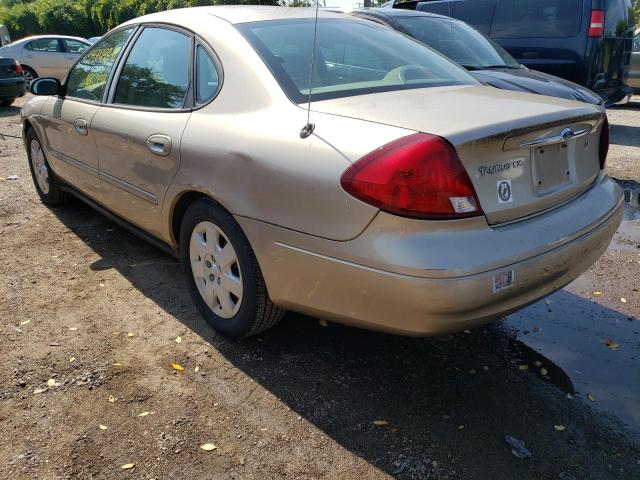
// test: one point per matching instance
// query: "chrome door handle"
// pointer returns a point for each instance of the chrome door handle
(80, 124)
(159, 144)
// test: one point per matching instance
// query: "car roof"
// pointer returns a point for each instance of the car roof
(234, 14)
(35, 37)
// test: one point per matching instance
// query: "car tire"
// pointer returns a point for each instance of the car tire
(47, 185)
(226, 284)
(6, 102)
(29, 76)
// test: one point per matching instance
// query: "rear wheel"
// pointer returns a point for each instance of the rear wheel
(47, 185)
(29, 75)
(222, 272)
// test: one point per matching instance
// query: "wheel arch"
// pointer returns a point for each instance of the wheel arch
(34, 70)
(180, 205)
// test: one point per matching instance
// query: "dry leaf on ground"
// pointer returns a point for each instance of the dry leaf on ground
(611, 345)
(128, 466)
(177, 366)
(208, 447)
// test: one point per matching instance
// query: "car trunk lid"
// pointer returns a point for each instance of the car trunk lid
(523, 153)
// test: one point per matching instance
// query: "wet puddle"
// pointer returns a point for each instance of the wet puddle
(560, 338)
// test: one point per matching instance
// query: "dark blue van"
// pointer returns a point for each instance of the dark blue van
(588, 42)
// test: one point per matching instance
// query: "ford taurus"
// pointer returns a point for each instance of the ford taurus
(408, 198)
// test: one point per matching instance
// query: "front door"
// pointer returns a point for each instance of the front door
(138, 132)
(68, 127)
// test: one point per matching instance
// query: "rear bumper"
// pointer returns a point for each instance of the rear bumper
(12, 87)
(315, 277)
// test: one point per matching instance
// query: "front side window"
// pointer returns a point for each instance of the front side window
(44, 45)
(208, 80)
(458, 41)
(74, 46)
(88, 78)
(352, 57)
(156, 73)
(537, 18)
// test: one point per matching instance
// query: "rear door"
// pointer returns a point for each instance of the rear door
(545, 35)
(68, 120)
(138, 132)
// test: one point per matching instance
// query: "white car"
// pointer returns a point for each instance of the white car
(45, 55)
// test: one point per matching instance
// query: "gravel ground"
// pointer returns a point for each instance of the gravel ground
(91, 320)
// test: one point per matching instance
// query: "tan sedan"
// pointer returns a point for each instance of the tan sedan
(415, 200)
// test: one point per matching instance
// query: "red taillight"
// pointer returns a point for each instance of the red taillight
(604, 143)
(417, 176)
(596, 27)
(18, 67)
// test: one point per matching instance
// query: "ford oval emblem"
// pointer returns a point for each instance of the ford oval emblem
(566, 134)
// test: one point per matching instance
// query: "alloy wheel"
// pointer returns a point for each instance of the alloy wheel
(39, 166)
(215, 269)
(28, 77)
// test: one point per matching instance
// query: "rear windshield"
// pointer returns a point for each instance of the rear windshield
(537, 18)
(352, 57)
(458, 41)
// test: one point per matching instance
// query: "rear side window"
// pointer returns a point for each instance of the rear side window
(156, 73)
(537, 18)
(88, 78)
(44, 45)
(208, 80)
(353, 57)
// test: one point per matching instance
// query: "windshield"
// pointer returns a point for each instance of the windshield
(352, 57)
(458, 41)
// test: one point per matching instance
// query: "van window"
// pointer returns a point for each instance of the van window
(537, 18)
(477, 13)
(440, 8)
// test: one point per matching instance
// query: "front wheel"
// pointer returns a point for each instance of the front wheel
(223, 274)
(46, 183)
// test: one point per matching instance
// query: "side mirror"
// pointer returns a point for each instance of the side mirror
(46, 86)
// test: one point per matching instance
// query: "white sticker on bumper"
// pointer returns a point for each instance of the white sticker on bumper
(503, 280)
